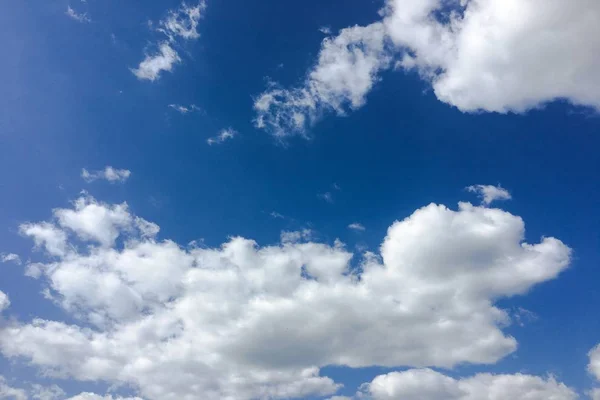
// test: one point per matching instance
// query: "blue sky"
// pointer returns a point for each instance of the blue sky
(295, 124)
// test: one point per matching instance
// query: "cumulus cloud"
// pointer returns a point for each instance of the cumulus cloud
(223, 136)
(347, 69)
(179, 24)
(109, 173)
(8, 392)
(489, 193)
(244, 321)
(478, 55)
(79, 17)
(4, 301)
(594, 365)
(10, 257)
(356, 226)
(426, 384)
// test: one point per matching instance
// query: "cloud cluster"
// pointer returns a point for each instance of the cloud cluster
(478, 55)
(181, 23)
(110, 174)
(425, 384)
(243, 321)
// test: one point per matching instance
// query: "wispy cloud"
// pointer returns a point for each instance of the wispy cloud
(10, 257)
(327, 196)
(181, 23)
(79, 17)
(224, 135)
(109, 173)
(185, 109)
(276, 215)
(325, 30)
(356, 226)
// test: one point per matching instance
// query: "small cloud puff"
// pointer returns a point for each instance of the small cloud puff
(224, 135)
(489, 193)
(356, 226)
(109, 173)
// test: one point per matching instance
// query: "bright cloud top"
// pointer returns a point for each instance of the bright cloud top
(489, 193)
(425, 384)
(478, 55)
(243, 321)
(179, 24)
(110, 174)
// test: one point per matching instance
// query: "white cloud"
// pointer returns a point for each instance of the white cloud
(79, 17)
(8, 392)
(224, 135)
(426, 384)
(93, 396)
(356, 226)
(10, 257)
(489, 193)
(185, 109)
(296, 236)
(243, 321)
(346, 71)
(325, 30)
(46, 235)
(181, 23)
(276, 215)
(594, 394)
(52, 392)
(109, 173)
(478, 55)
(4, 301)
(501, 55)
(151, 67)
(594, 365)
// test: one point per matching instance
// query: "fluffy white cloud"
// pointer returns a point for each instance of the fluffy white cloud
(489, 193)
(10, 257)
(46, 235)
(501, 55)
(243, 321)
(152, 66)
(8, 392)
(356, 226)
(79, 17)
(594, 394)
(425, 384)
(52, 392)
(181, 23)
(346, 71)
(4, 301)
(224, 135)
(594, 365)
(108, 173)
(490, 55)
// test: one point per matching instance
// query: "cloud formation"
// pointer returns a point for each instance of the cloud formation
(185, 109)
(79, 17)
(110, 174)
(223, 136)
(478, 55)
(244, 321)
(426, 384)
(179, 24)
(10, 257)
(490, 193)
(356, 226)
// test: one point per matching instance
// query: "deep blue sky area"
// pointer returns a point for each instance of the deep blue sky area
(70, 101)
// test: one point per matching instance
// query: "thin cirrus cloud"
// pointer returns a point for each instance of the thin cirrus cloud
(79, 17)
(355, 226)
(194, 327)
(179, 24)
(110, 174)
(518, 67)
(181, 109)
(223, 136)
